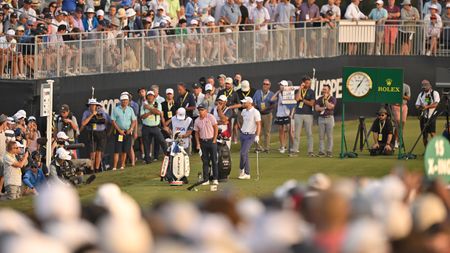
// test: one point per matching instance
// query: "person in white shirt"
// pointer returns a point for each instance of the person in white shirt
(261, 18)
(250, 130)
(331, 6)
(159, 98)
(8, 52)
(184, 125)
(282, 119)
(12, 169)
(426, 103)
(354, 13)
(223, 116)
(26, 9)
(433, 24)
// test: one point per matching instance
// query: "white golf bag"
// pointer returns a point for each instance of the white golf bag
(175, 167)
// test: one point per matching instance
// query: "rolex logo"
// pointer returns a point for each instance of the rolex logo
(389, 82)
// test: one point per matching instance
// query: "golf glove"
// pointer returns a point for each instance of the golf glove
(257, 139)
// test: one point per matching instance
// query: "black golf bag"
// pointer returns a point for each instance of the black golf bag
(224, 160)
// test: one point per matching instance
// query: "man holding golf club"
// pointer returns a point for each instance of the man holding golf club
(250, 130)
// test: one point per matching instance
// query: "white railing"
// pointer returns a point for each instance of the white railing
(122, 51)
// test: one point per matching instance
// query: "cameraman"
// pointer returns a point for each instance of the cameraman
(95, 120)
(63, 168)
(426, 103)
(382, 130)
(13, 169)
(68, 124)
(62, 141)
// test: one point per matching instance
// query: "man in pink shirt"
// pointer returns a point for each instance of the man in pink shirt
(206, 131)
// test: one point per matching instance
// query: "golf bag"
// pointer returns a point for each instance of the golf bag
(224, 159)
(175, 167)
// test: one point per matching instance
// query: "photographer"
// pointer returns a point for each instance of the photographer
(62, 141)
(63, 168)
(382, 130)
(426, 103)
(95, 120)
(13, 169)
(68, 124)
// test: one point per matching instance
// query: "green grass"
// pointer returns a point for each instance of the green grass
(143, 184)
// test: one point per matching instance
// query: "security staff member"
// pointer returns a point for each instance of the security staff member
(206, 131)
(382, 134)
(151, 119)
(426, 102)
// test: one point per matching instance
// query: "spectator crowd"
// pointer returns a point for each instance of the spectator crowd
(208, 25)
(399, 213)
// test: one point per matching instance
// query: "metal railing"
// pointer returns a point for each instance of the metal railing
(122, 51)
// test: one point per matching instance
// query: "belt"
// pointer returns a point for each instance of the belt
(247, 133)
(151, 126)
(327, 116)
(206, 139)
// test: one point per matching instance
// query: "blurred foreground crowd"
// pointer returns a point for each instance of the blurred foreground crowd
(401, 212)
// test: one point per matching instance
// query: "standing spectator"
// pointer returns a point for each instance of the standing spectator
(223, 115)
(34, 179)
(174, 9)
(262, 100)
(282, 116)
(244, 15)
(433, 23)
(271, 7)
(206, 131)
(310, 14)
(379, 14)
(95, 120)
(12, 23)
(427, 7)
(13, 169)
(426, 103)
(382, 134)
(284, 17)
(391, 30)
(210, 96)
(26, 9)
(124, 122)
(221, 80)
(353, 13)
(259, 16)
(135, 108)
(32, 134)
(409, 15)
(325, 107)
(3, 128)
(231, 13)
(90, 22)
(396, 111)
(185, 99)
(304, 115)
(67, 123)
(250, 130)
(78, 19)
(192, 11)
(151, 115)
(199, 98)
(446, 22)
(169, 107)
(331, 6)
(155, 89)
(232, 96)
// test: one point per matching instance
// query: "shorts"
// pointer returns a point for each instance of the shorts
(282, 121)
(406, 37)
(431, 128)
(124, 146)
(13, 192)
(390, 34)
(96, 141)
(396, 113)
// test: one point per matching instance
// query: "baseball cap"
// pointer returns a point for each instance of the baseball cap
(100, 13)
(161, 8)
(11, 32)
(259, 1)
(10, 120)
(223, 98)
(283, 83)
(229, 80)
(13, 15)
(65, 108)
(194, 22)
(208, 87)
(196, 85)
(28, 2)
(406, 2)
(90, 10)
(319, 181)
(63, 154)
(31, 118)
(379, 2)
(124, 97)
(181, 113)
(247, 100)
(130, 13)
(201, 107)
(150, 92)
(245, 86)
(434, 6)
(62, 135)
(93, 101)
(221, 76)
(210, 19)
(169, 91)
(20, 28)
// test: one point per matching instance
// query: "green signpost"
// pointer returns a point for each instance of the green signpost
(437, 159)
(371, 85)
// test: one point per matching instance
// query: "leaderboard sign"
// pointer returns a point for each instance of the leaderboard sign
(372, 85)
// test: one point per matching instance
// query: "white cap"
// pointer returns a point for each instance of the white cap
(259, 1)
(10, 120)
(124, 97)
(228, 30)
(433, 6)
(247, 100)
(20, 114)
(319, 181)
(229, 80)
(194, 22)
(427, 210)
(11, 32)
(19, 145)
(62, 135)
(447, 5)
(379, 2)
(245, 86)
(284, 83)
(100, 13)
(63, 154)
(150, 92)
(130, 13)
(31, 118)
(223, 98)
(161, 8)
(90, 10)
(208, 87)
(169, 91)
(93, 101)
(181, 113)
(210, 19)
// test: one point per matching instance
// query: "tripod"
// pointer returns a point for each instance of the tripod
(361, 135)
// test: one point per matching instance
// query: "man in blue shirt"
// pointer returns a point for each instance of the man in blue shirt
(304, 115)
(34, 178)
(379, 14)
(264, 105)
(124, 122)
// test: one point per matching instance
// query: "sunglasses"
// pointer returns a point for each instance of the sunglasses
(53, 6)
(266, 83)
(382, 115)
